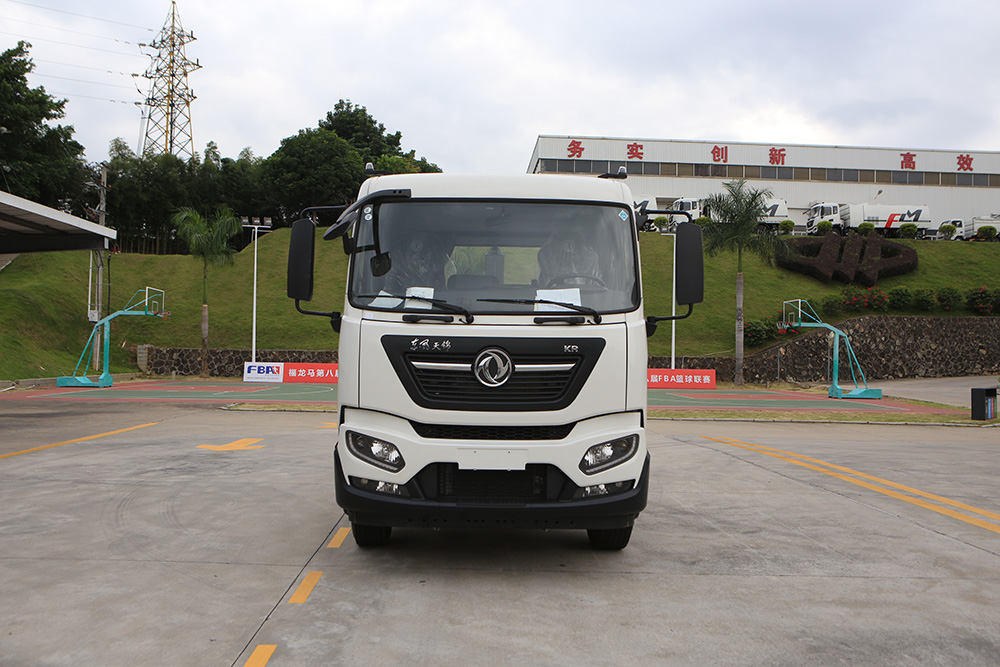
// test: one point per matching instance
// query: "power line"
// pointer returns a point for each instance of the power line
(93, 18)
(75, 32)
(91, 97)
(93, 83)
(96, 69)
(79, 46)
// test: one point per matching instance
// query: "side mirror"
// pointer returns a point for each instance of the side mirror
(301, 253)
(690, 269)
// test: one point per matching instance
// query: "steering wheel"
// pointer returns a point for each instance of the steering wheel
(557, 280)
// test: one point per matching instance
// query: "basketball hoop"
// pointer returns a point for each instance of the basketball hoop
(783, 327)
(162, 314)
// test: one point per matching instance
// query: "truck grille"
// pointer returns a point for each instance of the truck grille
(547, 373)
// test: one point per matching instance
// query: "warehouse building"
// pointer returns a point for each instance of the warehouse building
(950, 183)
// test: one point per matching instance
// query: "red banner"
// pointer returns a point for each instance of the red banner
(324, 373)
(669, 378)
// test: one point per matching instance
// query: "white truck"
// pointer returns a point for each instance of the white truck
(887, 218)
(775, 210)
(493, 358)
(966, 230)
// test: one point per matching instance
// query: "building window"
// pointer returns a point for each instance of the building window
(703, 170)
(981, 180)
(719, 170)
(852, 175)
(785, 173)
(751, 172)
(801, 173)
(685, 170)
(817, 174)
(668, 169)
(634, 168)
(734, 171)
(867, 176)
(599, 167)
(883, 177)
(768, 172)
(948, 179)
(613, 167)
(834, 174)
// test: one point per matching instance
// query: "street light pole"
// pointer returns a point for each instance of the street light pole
(256, 224)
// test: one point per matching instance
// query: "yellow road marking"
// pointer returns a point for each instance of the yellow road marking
(305, 588)
(260, 655)
(243, 443)
(70, 442)
(899, 496)
(339, 537)
(329, 425)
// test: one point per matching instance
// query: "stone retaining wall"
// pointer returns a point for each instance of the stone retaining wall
(886, 347)
(221, 363)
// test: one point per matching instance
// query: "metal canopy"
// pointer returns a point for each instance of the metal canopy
(26, 226)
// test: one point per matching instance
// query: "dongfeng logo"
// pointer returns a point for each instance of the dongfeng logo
(493, 367)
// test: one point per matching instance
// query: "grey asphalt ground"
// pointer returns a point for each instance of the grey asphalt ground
(955, 391)
(763, 544)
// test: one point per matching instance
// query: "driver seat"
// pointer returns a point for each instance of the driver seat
(567, 254)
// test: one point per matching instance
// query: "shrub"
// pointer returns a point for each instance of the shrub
(923, 299)
(983, 301)
(830, 305)
(986, 233)
(758, 332)
(786, 227)
(949, 298)
(702, 221)
(900, 298)
(852, 299)
(946, 231)
(908, 231)
(876, 299)
(824, 227)
(866, 228)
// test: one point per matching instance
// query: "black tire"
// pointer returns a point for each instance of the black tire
(609, 539)
(371, 536)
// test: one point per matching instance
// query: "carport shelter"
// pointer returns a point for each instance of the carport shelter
(26, 226)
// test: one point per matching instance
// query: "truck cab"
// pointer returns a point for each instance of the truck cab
(492, 353)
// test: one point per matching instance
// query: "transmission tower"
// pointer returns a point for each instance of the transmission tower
(168, 105)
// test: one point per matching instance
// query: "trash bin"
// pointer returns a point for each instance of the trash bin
(984, 403)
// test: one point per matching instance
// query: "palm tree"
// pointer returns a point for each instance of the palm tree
(737, 216)
(207, 238)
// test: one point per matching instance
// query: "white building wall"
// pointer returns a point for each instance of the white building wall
(643, 155)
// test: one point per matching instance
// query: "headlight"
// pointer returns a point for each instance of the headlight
(609, 454)
(379, 453)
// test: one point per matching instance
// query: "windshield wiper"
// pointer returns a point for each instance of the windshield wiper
(572, 306)
(440, 303)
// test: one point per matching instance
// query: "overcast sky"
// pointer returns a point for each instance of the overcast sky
(471, 84)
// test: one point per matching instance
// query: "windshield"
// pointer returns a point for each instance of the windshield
(465, 252)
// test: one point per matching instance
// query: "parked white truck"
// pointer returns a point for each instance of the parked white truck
(887, 218)
(493, 359)
(966, 230)
(775, 210)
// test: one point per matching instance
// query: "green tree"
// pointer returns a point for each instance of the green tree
(313, 168)
(38, 161)
(207, 238)
(736, 214)
(356, 126)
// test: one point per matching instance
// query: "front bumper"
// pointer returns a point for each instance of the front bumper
(378, 509)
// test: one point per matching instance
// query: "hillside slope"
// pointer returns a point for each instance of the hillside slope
(43, 327)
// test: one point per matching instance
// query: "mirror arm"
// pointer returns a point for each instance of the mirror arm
(651, 321)
(335, 317)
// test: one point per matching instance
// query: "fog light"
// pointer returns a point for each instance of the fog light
(609, 454)
(379, 453)
(610, 489)
(379, 487)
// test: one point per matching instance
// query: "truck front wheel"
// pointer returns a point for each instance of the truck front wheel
(370, 536)
(609, 539)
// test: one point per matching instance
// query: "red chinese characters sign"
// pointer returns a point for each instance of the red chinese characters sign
(908, 161)
(777, 156)
(668, 378)
(575, 148)
(720, 154)
(965, 162)
(634, 151)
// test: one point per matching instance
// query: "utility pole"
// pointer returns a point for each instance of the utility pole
(168, 105)
(96, 308)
